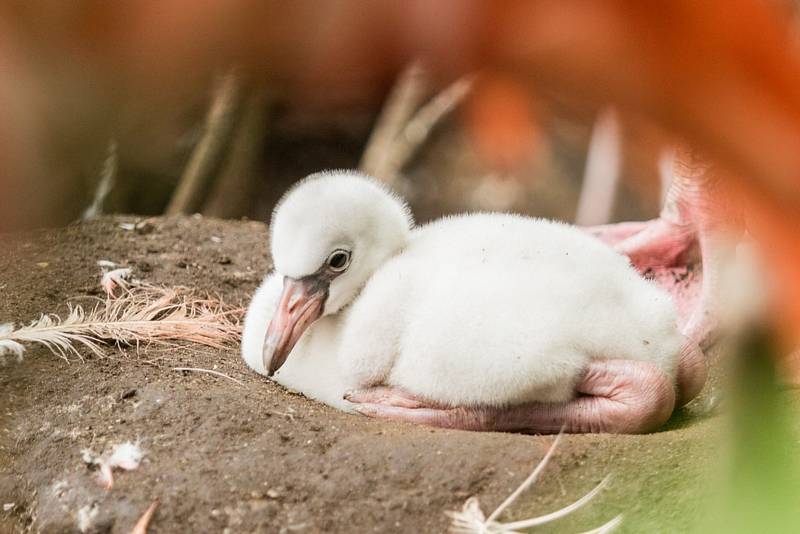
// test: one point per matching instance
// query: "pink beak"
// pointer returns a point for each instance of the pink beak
(300, 305)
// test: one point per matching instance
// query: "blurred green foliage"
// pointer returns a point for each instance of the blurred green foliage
(762, 489)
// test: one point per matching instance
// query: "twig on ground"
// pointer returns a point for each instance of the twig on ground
(209, 371)
(287, 415)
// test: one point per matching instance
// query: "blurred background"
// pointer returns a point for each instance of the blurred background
(110, 107)
(560, 108)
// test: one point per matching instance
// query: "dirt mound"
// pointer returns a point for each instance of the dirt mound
(243, 458)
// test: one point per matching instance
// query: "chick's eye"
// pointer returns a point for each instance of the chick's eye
(339, 260)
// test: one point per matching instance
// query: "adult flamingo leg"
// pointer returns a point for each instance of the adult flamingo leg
(688, 229)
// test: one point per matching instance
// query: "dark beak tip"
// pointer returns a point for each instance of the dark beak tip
(300, 305)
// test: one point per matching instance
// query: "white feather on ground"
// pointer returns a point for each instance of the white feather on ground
(116, 278)
(471, 519)
(126, 456)
(86, 517)
(141, 315)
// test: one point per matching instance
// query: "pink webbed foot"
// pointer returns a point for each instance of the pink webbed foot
(616, 396)
(385, 396)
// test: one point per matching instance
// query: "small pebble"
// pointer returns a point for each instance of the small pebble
(145, 227)
(7, 507)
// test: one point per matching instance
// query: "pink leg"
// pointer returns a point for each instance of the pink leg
(386, 396)
(694, 214)
(617, 396)
(692, 373)
(702, 324)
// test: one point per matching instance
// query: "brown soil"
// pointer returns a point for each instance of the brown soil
(224, 457)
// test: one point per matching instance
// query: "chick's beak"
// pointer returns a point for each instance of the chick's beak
(300, 305)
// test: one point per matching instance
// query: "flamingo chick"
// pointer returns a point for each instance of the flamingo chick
(480, 321)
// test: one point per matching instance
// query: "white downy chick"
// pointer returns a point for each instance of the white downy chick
(478, 309)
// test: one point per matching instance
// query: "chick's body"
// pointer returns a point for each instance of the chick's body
(479, 309)
(497, 309)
